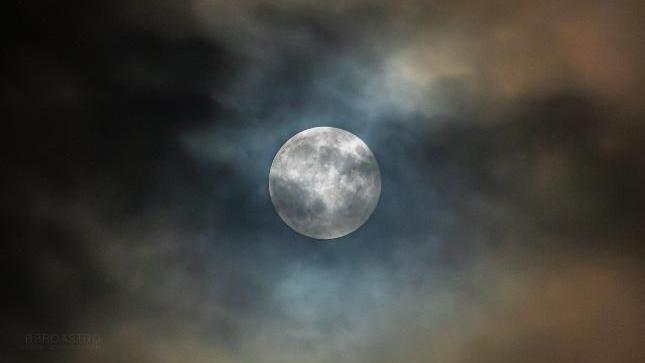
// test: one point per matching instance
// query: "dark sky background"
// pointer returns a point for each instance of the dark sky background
(136, 143)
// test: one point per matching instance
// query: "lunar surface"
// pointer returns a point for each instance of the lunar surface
(324, 182)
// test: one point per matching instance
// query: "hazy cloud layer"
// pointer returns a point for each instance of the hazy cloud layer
(138, 142)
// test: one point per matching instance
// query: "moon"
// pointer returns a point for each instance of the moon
(324, 182)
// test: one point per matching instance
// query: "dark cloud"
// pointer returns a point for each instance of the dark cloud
(137, 143)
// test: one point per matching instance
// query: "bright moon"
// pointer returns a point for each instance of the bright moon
(324, 182)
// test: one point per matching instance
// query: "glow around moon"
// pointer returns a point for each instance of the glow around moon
(324, 182)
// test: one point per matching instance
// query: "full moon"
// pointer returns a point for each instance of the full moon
(324, 182)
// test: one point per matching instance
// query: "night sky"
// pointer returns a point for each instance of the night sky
(137, 139)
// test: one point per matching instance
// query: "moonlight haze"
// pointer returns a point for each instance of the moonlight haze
(147, 146)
